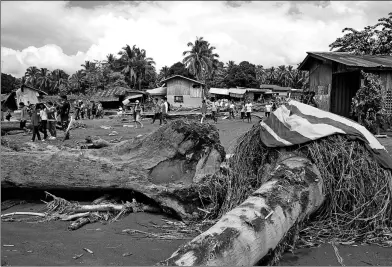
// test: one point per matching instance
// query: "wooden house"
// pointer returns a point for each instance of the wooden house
(183, 91)
(336, 77)
(112, 98)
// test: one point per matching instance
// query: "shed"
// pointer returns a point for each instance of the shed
(25, 94)
(110, 97)
(184, 91)
(336, 77)
(237, 92)
(219, 93)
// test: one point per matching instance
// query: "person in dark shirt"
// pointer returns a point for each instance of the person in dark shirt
(64, 112)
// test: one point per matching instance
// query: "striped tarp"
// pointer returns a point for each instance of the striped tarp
(297, 123)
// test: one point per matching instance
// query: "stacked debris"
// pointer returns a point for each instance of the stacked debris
(105, 209)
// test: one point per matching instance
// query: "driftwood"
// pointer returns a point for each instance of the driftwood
(165, 166)
(75, 216)
(23, 213)
(80, 223)
(248, 232)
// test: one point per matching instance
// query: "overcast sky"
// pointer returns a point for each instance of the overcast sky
(63, 34)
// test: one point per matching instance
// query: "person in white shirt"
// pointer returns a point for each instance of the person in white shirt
(248, 109)
(268, 108)
(232, 108)
(44, 120)
(165, 110)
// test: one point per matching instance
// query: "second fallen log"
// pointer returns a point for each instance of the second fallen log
(247, 233)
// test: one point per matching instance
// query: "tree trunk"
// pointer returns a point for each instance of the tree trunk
(247, 233)
(165, 166)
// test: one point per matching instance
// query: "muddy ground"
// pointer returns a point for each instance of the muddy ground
(52, 244)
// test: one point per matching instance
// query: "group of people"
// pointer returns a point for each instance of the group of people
(90, 109)
(44, 117)
(246, 110)
(161, 109)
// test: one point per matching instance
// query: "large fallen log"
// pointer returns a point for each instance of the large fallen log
(164, 166)
(7, 126)
(247, 233)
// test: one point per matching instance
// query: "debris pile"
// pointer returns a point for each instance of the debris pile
(358, 206)
(102, 209)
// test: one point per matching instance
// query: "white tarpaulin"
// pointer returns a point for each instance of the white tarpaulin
(27, 96)
(126, 101)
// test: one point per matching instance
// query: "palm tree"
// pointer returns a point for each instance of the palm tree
(32, 75)
(44, 79)
(76, 80)
(59, 78)
(144, 66)
(127, 62)
(110, 61)
(198, 58)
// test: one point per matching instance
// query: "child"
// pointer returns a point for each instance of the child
(44, 120)
(24, 115)
(157, 111)
(35, 120)
(243, 112)
(268, 107)
(248, 109)
(203, 110)
(214, 110)
(138, 111)
(8, 116)
(231, 112)
(52, 120)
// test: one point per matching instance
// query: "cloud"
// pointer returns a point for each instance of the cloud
(64, 35)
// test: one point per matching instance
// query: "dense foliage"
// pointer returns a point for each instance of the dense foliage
(369, 102)
(8, 83)
(372, 40)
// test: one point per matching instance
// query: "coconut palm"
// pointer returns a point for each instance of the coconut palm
(59, 78)
(144, 66)
(110, 61)
(31, 75)
(77, 80)
(198, 58)
(127, 62)
(44, 79)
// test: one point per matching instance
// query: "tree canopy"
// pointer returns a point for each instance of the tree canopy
(372, 40)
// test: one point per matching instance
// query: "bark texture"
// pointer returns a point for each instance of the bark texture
(247, 233)
(164, 166)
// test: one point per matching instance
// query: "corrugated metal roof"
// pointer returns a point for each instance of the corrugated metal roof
(111, 92)
(237, 91)
(219, 91)
(349, 59)
(186, 78)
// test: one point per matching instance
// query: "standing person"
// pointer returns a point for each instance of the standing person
(8, 116)
(35, 119)
(93, 110)
(88, 110)
(100, 110)
(82, 109)
(134, 112)
(214, 110)
(44, 120)
(164, 110)
(243, 111)
(24, 115)
(64, 114)
(268, 108)
(311, 101)
(231, 109)
(157, 111)
(138, 111)
(77, 109)
(248, 109)
(203, 110)
(52, 121)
